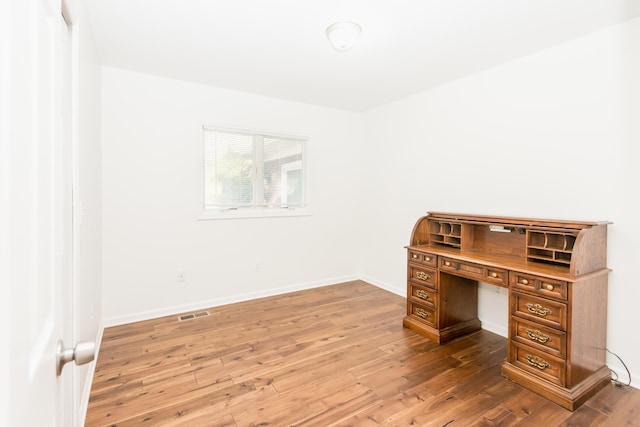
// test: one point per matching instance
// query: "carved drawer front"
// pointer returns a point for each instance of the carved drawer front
(424, 313)
(423, 295)
(480, 272)
(543, 365)
(424, 276)
(423, 258)
(539, 310)
(549, 340)
(548, 288)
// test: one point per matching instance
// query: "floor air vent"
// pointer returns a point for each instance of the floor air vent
(191, 316)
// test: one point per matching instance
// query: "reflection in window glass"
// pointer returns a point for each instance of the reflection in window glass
(248, 170)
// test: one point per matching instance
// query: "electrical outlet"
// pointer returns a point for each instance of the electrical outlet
(181, 276)
(257, 267)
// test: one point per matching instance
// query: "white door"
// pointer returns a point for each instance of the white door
(36, 224)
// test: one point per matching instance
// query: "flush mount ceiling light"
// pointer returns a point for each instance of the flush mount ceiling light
(343, 35)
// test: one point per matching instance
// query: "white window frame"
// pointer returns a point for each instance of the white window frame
(256, 212)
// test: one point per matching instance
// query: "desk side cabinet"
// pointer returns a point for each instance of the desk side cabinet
(557, 278)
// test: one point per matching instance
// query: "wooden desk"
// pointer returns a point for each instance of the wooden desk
(557, 278)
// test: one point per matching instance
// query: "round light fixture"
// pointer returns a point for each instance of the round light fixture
(343, 35)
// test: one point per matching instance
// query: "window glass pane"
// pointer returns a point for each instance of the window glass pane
(229, 170)
(283, 174)
(243, 169)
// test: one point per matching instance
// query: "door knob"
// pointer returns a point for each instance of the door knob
(84, 352)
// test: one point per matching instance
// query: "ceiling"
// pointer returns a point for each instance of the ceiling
(278, 48)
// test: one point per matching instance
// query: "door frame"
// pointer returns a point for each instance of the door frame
(73, 389)
(67, 94)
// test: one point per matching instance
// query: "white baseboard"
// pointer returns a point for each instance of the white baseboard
(169, 311)
(386, 286)
(86, 392)
(495, 328)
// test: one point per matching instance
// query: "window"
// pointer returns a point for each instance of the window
(253, 172)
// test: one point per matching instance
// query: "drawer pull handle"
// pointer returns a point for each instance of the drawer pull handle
(549, 286)
(422, 275)
(537, 309)
(422, 313)
(494, 275)
(447, 263)
(422, 294)
(536, 361)
(524, 281)
(414, 256)
(427, 258)
(538, 336)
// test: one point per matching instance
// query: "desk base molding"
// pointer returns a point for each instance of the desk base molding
(569, 399)
(443, 335)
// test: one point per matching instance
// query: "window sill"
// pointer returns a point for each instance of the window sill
(214, 214)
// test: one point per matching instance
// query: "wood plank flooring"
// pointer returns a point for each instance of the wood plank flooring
(332, 356)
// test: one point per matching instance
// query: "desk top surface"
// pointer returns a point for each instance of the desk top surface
(502, 261)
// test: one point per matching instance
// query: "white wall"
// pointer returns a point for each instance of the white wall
(6, 32)
(552, 135)
(152, 143)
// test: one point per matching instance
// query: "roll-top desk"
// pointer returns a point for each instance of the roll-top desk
(557, 278)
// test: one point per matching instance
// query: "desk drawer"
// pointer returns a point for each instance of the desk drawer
(423, 312)
(548, 288)
(540, 364)
(495, 276)
(423, 258)
(423, 295)
(424, 276)
(539, 310)
(546, 339)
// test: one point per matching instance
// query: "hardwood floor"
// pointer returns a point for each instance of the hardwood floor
(336, 355)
